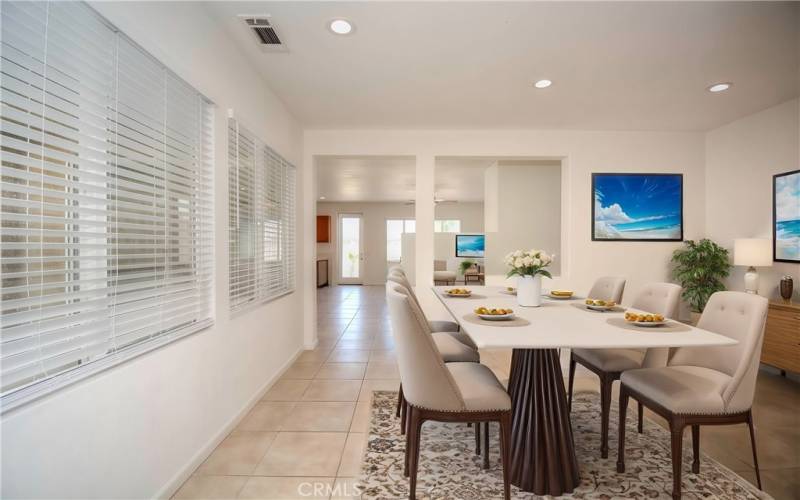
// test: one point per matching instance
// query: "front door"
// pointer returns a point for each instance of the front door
(351, 251)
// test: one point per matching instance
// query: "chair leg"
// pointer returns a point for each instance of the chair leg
(640, 425)
(605, 410)
(623, 410)
(753, 445)
(403, 417)
(486, 445)
(415, 430)
(505, 452)
(477, 438)
(572, 363)
(408, 450)
(399, 400)
(696, 449)
(676, 433)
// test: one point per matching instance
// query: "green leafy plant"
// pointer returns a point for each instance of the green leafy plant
(700, 267)
(466, 265)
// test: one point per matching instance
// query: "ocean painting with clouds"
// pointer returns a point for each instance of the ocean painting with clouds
(644, 207)
(786, 194)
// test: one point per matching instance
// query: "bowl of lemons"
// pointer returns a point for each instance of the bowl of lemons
(600, 305)
(646, 320)
(494, 313)
(458, 292)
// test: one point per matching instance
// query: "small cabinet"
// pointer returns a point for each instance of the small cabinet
(781, 347)
(323, 228)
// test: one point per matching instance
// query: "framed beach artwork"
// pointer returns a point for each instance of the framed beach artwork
(786, 217)
(637, 207)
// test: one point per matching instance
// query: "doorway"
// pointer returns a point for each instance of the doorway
(351, 249)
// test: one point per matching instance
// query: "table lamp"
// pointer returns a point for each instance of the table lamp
(752, 252)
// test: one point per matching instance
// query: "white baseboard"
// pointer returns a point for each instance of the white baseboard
(178, 479)
(311, 346)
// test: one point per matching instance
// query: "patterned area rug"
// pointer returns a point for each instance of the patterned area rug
(450, 469)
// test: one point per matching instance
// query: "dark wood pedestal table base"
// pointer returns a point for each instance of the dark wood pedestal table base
(542, 448)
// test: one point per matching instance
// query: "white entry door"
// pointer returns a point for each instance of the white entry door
(351, 249)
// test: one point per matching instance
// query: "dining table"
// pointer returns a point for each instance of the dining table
(543, 458)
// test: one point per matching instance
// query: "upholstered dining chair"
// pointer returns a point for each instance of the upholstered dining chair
(703, 385)
(451, 392)
(398, 276)
(608, 364)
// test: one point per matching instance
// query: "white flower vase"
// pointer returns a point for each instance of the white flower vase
(529, 291)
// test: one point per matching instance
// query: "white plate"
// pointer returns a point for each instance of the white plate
(496, 317)
(599, 308)
(509, 292)
(648, 324)
(458, 294)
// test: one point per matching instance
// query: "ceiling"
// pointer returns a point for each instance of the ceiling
(621, 66)
(366, 178)
(392, 178)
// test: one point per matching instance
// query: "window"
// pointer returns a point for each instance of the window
(447, 226)
(106, 199)
(394, 237)
(261, 200)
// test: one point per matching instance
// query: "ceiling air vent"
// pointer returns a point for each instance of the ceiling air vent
(264, 30)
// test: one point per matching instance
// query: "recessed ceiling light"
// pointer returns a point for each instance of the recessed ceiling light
(321, 197)
(542, 84)
(341, 26)
(720, 87)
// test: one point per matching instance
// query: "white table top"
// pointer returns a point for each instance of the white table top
(557, 324)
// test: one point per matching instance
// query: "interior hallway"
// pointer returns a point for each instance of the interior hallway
(310, 428)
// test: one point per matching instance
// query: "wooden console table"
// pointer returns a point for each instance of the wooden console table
(782, 337)
(322, 273)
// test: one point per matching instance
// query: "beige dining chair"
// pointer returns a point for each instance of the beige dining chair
(452, 392)
(703, 385)
(436, 325)
(608, 364)
(607, 288)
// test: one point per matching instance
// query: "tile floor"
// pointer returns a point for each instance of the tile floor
(305, 438)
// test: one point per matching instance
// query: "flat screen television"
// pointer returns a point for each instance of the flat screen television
(470, 245)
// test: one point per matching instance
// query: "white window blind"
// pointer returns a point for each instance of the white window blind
(106, 199)
(261, 220)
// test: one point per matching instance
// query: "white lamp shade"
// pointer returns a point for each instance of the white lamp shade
(752, 252)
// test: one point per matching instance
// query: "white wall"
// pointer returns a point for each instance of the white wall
(136, 430)
(741, 159)
(583, 152)
(527, 212)
(374, 219)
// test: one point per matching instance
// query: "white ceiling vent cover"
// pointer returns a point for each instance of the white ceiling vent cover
(261, 26)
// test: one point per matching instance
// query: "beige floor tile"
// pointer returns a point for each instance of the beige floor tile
(266, 416)
(285, 488)
(346, 488)
(302, 370)
(361, 418)
(303, 454)
(381, 370)
(383, 343)
(238, 454)
(782, 484)
(383, 355)
(210, 487)
(332, 390)
(320, 416)
(350, 464)
(317, 355)
(357, 334)
(342, 371)
(377, 385)
(287, 390)
(349, 356)
(351, 343)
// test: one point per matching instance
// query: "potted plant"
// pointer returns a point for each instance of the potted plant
(466, 265)
(700, 267)
(530, 266)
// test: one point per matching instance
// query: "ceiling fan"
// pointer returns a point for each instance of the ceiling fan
(436, 201)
